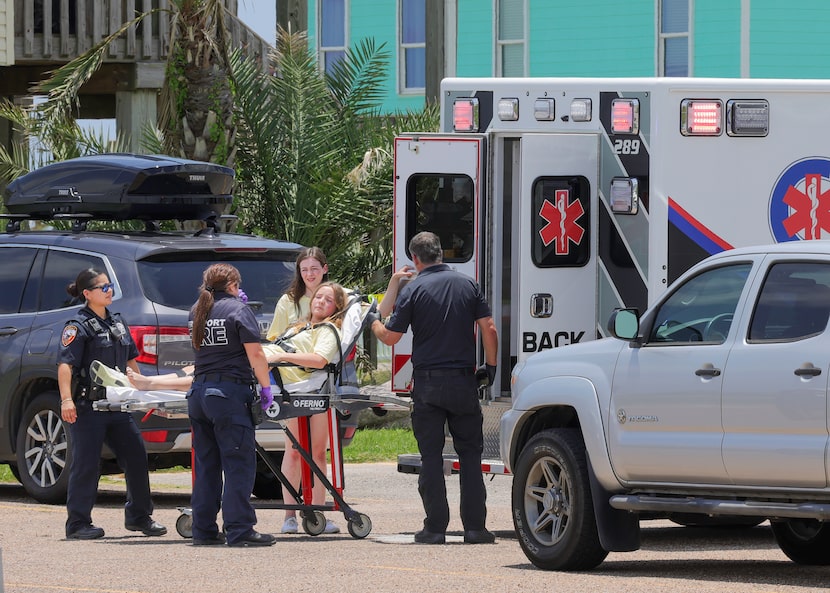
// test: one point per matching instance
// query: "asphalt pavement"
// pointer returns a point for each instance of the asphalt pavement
(36, 558)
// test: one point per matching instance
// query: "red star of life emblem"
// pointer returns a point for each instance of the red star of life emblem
(561, 220)
(810, 209)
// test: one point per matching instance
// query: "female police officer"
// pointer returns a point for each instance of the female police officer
(96, 334)
(225, 335)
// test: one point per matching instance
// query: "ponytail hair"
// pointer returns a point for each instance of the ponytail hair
(215, 278)
(84, 281)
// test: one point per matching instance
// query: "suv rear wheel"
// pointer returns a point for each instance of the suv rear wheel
(43, 450)
(804, 541)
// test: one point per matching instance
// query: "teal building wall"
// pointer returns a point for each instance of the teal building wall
(475, 54)
(790, 39)
(617, 39)
(716, 39)
(614, 38)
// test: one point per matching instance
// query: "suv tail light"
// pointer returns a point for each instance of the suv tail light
(147, 338)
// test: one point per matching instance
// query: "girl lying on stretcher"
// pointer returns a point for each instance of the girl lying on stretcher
(309, 344)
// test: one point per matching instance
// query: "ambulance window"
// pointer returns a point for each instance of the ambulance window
(442, 204)
(561, 222)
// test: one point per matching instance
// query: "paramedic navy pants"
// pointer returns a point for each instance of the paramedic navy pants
(223, 442)
(119, 431)
(454, 400)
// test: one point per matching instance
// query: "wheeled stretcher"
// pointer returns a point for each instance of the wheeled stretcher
(325, 392)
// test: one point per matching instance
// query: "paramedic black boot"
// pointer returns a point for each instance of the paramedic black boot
(254, 539)
(428, 537)
(479, 537)
(148, 527)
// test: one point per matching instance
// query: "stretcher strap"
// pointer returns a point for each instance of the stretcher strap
(277, 380)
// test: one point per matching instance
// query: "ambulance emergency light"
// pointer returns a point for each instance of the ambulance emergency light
(747, 117)
(508, 109)
(544, 109)
(625, 116)
(624, 198)
(465, 115)
(701, 117)
(581, 110)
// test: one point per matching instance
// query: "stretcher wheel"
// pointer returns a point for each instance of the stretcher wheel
(359, 526)
(184, 525)
(314, 523)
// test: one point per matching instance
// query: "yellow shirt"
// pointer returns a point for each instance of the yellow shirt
(285, 314)
(318, 340)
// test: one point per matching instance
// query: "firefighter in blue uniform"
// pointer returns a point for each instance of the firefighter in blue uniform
(221, 403)
(97, 334)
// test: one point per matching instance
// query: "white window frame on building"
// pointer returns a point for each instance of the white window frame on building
(327, 55)
(509, 40)
(674, 36)
(409, 49)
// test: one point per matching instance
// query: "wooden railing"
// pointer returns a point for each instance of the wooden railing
(57, 31)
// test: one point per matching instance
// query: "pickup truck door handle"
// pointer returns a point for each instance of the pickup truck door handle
(708, 370)
(807, 370)
(8, 331)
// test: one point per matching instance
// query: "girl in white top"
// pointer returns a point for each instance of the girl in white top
(311, 271)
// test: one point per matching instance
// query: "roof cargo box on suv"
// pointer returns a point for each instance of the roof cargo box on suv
(123, 187)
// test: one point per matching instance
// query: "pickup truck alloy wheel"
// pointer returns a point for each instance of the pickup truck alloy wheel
(804, 541)
(43, 450)
(552, 509)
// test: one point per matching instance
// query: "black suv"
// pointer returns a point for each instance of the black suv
(156, 276)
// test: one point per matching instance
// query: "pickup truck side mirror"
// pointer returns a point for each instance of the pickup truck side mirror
(624, 324)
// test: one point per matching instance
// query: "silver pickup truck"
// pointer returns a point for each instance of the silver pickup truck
(713, 405)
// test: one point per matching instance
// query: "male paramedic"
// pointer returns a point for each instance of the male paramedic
(443, 307)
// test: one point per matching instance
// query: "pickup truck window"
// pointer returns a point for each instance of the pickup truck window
(794, 303)
(702, 308)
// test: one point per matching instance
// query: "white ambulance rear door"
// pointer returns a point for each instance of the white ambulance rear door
(438, 187)
(555, 248)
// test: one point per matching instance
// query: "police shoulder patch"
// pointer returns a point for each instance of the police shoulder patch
(70, 332)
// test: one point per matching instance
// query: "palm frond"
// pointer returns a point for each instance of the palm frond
(356, 82)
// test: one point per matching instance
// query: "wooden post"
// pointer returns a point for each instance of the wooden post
(434, 49)
(292, 15)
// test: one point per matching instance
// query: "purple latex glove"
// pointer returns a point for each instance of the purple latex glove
(266, 399)
(242, 296)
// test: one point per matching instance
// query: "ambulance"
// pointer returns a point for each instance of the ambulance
(566, 198)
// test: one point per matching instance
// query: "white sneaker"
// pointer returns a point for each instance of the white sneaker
(106, 376)
(290, 525)
(331, 527)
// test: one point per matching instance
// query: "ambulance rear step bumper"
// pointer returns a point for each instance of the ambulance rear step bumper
(411, 464)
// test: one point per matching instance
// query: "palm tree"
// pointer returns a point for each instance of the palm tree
(197, 106)
(315, 154)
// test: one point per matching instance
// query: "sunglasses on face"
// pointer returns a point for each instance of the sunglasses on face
(105, 288)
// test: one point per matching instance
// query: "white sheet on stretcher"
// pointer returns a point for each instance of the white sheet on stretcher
(122, 394)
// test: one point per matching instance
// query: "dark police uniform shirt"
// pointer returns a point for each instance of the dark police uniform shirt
(230, 324)
(442, 307)
(88, 337)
